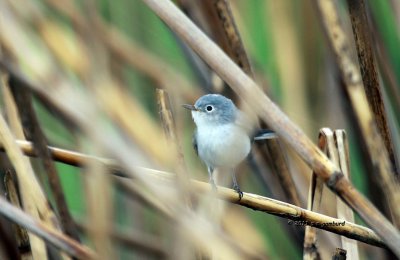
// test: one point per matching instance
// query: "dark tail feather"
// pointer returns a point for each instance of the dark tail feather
(264, 134)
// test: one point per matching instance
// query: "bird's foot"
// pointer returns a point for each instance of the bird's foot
(237, 189)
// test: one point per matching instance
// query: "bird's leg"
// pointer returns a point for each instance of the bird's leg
(210, 174)
(236, 185)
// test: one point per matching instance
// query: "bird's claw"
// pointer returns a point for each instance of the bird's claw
(237, 189)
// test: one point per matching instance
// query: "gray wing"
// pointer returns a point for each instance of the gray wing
(194, 141)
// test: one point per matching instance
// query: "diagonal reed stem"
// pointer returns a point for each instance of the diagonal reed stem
(52, 236)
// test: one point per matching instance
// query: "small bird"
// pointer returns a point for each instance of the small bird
(222, 135)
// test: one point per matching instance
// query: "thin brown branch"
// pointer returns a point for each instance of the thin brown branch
(42, 230)
(278, 121)
(292, 212)
(252, 201)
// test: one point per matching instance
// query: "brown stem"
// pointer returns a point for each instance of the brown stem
(33, 131)
(252, 201)
(343, 211)
(56, 238)
(168, 124)
(222, 24)
(314, 202)
(369, 73)
(21, 234)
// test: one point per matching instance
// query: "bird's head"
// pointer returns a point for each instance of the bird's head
(213, 109)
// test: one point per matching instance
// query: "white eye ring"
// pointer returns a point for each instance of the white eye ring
(209, 108)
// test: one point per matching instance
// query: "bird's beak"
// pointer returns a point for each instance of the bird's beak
(190, 107)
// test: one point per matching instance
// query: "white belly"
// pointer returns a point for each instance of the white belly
(223, 146)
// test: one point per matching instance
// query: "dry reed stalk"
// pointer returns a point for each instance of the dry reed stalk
(310, 250)
(221, 23)
(45, 232)
(362, 36)
(33, 131)
(174, 145)
(354, 85)
(38, 248)
(255, 202)
(343, 211)
(294, 213)
(363, 40)
(278, 121)
(387, 71)
(11, 109)
(21, 234)
(182, 249)
(314, 201)
(337, 153)
(33, 198)
(11, 189)
(99, 191)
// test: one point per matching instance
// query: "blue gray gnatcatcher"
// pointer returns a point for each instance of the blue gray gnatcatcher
(222, 137)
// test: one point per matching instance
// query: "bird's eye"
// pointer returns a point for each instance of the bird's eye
(209, 108)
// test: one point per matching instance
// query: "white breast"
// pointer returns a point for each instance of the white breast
(223, 146)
